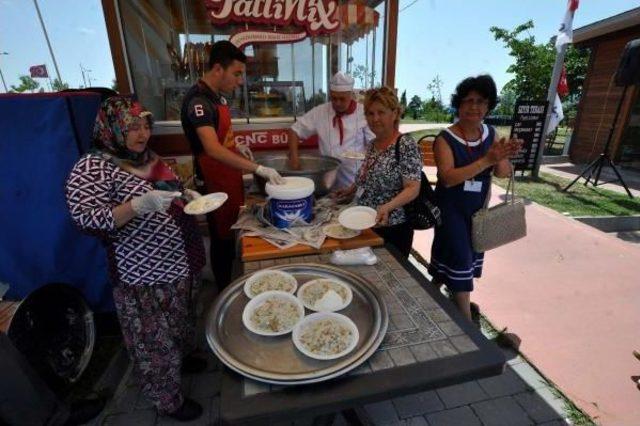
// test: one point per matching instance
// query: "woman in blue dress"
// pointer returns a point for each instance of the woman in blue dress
(466, 154)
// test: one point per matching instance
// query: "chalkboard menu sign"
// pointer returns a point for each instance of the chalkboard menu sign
(528, 122)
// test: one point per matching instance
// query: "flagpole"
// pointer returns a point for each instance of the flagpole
(551, 100)
(1, 75)
(555, 78)
(46, 36)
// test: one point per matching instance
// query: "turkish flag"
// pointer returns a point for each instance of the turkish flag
(39, 71)
(573, 5)
(565, 33)
(563, 86)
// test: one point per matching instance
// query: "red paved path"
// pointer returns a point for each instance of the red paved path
(572, 294)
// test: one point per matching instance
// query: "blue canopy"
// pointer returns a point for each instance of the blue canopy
(41, 138)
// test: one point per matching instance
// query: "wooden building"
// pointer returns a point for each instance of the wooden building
(606, 40)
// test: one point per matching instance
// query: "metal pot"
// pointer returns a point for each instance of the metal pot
(322, 169)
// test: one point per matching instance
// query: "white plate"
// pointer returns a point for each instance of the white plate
(339, 232)
(257, 301)
(319, 316)
(255, 277)
(358, 218)
(308, 284)
(353, 155)
(206, 203)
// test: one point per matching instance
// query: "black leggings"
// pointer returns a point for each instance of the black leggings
(400, 236)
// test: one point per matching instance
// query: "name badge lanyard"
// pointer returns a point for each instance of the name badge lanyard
(468, 147)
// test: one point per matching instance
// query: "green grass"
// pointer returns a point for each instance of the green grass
(412, 121)
(420, 133)
(580, 200)
(502, 131)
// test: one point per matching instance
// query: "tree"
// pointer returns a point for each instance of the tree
(415, 106)
(435, 87)
(403, 102)
(507, 101)
(59, 85)
(360, 73)
(533, 63)
(26, 83)
(433, 111)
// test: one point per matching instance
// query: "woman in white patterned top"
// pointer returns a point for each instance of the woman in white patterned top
(386, 181)
(125, 194)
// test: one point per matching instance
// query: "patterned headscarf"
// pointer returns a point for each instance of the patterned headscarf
(116, 114)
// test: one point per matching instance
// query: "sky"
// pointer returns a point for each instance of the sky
(451, 38)
(448, 38)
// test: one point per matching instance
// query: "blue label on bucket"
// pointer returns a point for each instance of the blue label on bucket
(284, 212)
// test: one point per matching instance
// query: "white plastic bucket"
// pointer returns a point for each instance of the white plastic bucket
(291, 201)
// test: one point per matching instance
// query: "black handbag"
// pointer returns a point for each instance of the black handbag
(422, 212)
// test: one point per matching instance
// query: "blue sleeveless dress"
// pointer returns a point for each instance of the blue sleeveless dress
(453, 261)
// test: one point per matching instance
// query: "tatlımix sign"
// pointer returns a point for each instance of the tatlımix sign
(314, 16)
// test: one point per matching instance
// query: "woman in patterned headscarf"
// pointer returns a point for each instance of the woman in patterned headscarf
(125, 194)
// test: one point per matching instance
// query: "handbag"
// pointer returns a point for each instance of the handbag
(422, 212)
(501, 224)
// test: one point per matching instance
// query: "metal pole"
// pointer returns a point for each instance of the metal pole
(82, 72)
(46, 36)
(551, 99)
(2, 76)
(293, 83)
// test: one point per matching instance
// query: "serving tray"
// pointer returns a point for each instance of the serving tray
(275, 359)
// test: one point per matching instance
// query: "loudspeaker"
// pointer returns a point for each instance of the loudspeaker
(628, 72)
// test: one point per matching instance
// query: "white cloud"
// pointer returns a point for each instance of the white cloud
(85, 30)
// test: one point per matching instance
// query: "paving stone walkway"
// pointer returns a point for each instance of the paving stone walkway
(520, 396)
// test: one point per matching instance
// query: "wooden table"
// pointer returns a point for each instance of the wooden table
(428, 345)
(255, 248)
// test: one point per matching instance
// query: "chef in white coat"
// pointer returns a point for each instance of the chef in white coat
(340, 126)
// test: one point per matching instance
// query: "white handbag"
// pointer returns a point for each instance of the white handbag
(501, 224)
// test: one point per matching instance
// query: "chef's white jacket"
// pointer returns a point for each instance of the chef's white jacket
(319, 121)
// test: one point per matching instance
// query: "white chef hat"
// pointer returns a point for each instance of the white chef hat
(341, 82)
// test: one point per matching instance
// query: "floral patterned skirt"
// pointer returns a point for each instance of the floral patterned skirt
(158, 325)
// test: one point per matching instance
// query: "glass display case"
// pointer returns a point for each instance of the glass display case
(167, 45)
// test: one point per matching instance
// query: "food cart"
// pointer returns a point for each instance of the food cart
(411, 338)
(160, 49)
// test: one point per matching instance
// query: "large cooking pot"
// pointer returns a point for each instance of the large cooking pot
(322, 169)
(53, 328)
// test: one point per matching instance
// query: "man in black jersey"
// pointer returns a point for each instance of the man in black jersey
(206, 121)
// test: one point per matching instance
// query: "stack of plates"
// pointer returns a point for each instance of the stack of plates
(275, 359)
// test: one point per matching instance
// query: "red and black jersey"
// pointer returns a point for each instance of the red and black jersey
(201, 106)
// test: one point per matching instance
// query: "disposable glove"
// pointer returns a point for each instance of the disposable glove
(245, 151)
(190, 195)
(271, 174)
(153, 201)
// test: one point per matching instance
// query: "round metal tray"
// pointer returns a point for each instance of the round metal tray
(275, 359)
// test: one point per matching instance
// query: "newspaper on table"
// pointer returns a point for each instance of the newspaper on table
(253, 222)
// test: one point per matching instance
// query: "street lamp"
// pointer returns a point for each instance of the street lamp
(2, 76)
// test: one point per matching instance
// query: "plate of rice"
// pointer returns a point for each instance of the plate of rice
(269, 280)
(206, 203)
(272, 313)
(325, 335)
(325, 295)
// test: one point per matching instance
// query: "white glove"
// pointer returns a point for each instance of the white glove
(190, 195)
(245, 151)
(270, 174)
(153, 201)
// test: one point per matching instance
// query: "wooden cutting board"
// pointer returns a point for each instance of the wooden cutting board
(255, 248)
